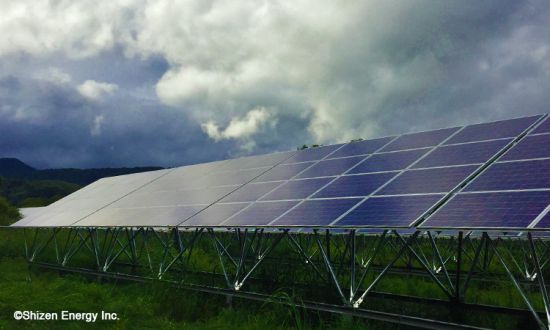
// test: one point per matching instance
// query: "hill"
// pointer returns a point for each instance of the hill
(14, 168)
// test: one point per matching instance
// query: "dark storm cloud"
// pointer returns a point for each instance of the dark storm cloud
(177, 83)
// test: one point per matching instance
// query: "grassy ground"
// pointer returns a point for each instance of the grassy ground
(143, 306)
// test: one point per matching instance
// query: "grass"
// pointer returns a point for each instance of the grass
(143, 305)
(158, 305)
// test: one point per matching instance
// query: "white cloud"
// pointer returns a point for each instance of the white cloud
(239, 128)
(349, 68)
(97, 125)
(55, 75)
(94, 90)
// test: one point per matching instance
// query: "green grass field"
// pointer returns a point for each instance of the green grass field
(143, 306)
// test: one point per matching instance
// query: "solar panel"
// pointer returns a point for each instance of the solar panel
(297, 189)
(316, 212)
(434, 180)
(361, 147)
(355, 185)
(395, 211)
(344, 185)
(490, 210)
(390, 161)
(258, 161)
(519, 175)
(544, 222)
(213, 215)
(462, 154)
(283, 172)
(544, 127)
(331, 167)
(229, 178)
(310, 154)
(535, 146)
(420, 140)
(494, 130)
(260, 214)
(86, 201)
(173, 198)
(251, 192)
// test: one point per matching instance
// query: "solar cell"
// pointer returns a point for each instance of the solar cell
(260, 213)
(228, 178)
(331, 167)
(213, 215)
(283, 172)
(395, 211)
(316, 212)
(494, 130)
(433, 180)
(390, 161)
(297, 189)
(355, 185)
(361, 147)
(461, 154)
(310, 154)
(251, 192)
(258, 161)
(421, 139)
(172, 198)
(544, 223)
(532, 174)
(154, 216)
(544, 127)
(535, 146)
(490, 210)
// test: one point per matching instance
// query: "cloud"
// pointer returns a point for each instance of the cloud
(239, 128)
(55, 75)
(97, 124)
(343, 71)
(94, 90)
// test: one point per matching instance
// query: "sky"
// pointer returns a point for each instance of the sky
(169, 83)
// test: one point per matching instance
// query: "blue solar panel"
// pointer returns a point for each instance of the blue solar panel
(214, 215)
(331, 167)
(258, 161)
(355, 185)
(389, 161)
(544, 127)
(361, 147)
(461, 154)
(544, 223)
(433, 180)
(317, 212)
(420, 140)
(494, 130)
(312, 154)
(297, 189)
(396, 211)
(171, 198)
(535, 146)
(283, 172)
(260, 213)
(490, 210)
(251, 192)
(530, 174)
(228, 178)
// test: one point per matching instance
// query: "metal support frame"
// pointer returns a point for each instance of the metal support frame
(351, 263)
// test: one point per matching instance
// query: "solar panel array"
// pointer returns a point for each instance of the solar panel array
(390, 182)
(513, 192)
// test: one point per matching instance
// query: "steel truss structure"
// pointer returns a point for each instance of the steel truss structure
(347, 267)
